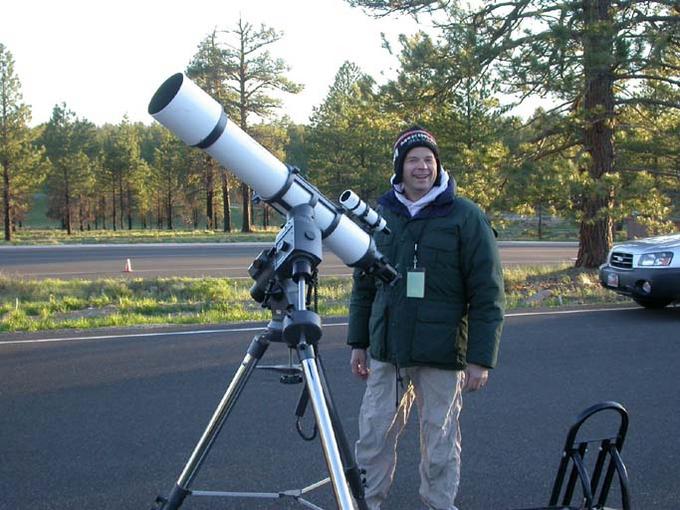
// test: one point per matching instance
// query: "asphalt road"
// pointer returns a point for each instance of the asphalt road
(108, 423)
(230, 260)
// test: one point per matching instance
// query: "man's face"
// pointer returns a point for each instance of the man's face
(420, 172)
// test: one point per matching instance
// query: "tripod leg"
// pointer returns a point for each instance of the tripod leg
(325, 425)
(351, 468)
(181, 490)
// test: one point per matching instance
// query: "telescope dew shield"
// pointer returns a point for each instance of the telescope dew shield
(200, 121)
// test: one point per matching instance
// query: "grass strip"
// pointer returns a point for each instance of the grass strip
(36, 305)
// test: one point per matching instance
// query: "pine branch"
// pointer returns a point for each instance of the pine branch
(648, 102)
(384, 8)
(632, 169)
(557, 109)
(555, 150)
(645, 63)
(629, 3)
(637, 76)
(652, 19)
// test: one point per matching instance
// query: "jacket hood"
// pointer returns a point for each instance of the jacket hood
(440, 206)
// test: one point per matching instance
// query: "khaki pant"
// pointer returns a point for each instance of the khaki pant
(438, 395)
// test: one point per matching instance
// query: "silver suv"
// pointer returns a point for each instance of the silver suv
(648, 270)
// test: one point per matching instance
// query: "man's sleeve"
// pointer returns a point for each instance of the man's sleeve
(483, 276)
(363, 292)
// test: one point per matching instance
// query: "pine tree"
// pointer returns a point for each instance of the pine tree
(69, 142)
(592, 58)
(22, 164)
(244, 75)
(349, 143)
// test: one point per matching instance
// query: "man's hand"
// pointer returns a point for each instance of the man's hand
(359, 363)
(476, 377)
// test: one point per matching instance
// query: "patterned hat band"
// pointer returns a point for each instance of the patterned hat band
(414, 139)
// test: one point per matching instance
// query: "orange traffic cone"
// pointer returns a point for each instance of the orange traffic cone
(128, 267)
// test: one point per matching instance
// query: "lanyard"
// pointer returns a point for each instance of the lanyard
(417, 241)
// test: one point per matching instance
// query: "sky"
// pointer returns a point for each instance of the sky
(106, 59)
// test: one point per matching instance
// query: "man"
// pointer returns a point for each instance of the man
(432, 334)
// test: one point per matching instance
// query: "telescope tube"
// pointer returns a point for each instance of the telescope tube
(200, 121)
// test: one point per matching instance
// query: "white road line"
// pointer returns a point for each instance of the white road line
(108, 274)
(131, 335)
(260, 328)
(568, 312)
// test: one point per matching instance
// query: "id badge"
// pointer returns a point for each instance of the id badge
(415, 282)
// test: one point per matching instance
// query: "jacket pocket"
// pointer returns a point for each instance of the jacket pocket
(440, 248)
(436, 332)
(377, 329)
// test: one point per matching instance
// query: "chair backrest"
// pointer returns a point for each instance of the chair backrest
(595, 485)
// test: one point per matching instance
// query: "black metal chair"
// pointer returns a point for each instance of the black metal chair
(594, 487)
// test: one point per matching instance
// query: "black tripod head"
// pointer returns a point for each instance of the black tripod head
(296, 253)
(282, 275)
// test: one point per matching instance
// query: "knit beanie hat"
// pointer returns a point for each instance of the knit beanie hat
(415, 136)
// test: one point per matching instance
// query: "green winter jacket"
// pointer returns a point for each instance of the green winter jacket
(460, 318)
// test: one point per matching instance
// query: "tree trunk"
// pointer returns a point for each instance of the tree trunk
(595, 233)
(121, 197)
(113, 205)
(159, 214)
(6, 201)
(81, 214)
(246, 226)
(67, 202)
(129, 206)
(168, 209)
(209, 192)
(540, 221)
(468, 113)
(103, 211)
(226, 202)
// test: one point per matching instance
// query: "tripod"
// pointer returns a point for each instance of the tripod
(282, 276)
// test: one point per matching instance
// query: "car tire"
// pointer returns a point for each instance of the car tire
(653, 304)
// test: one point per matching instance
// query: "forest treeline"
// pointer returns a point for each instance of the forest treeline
(606, 148)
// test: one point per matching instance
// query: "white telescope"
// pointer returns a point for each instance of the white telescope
(200, 121)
